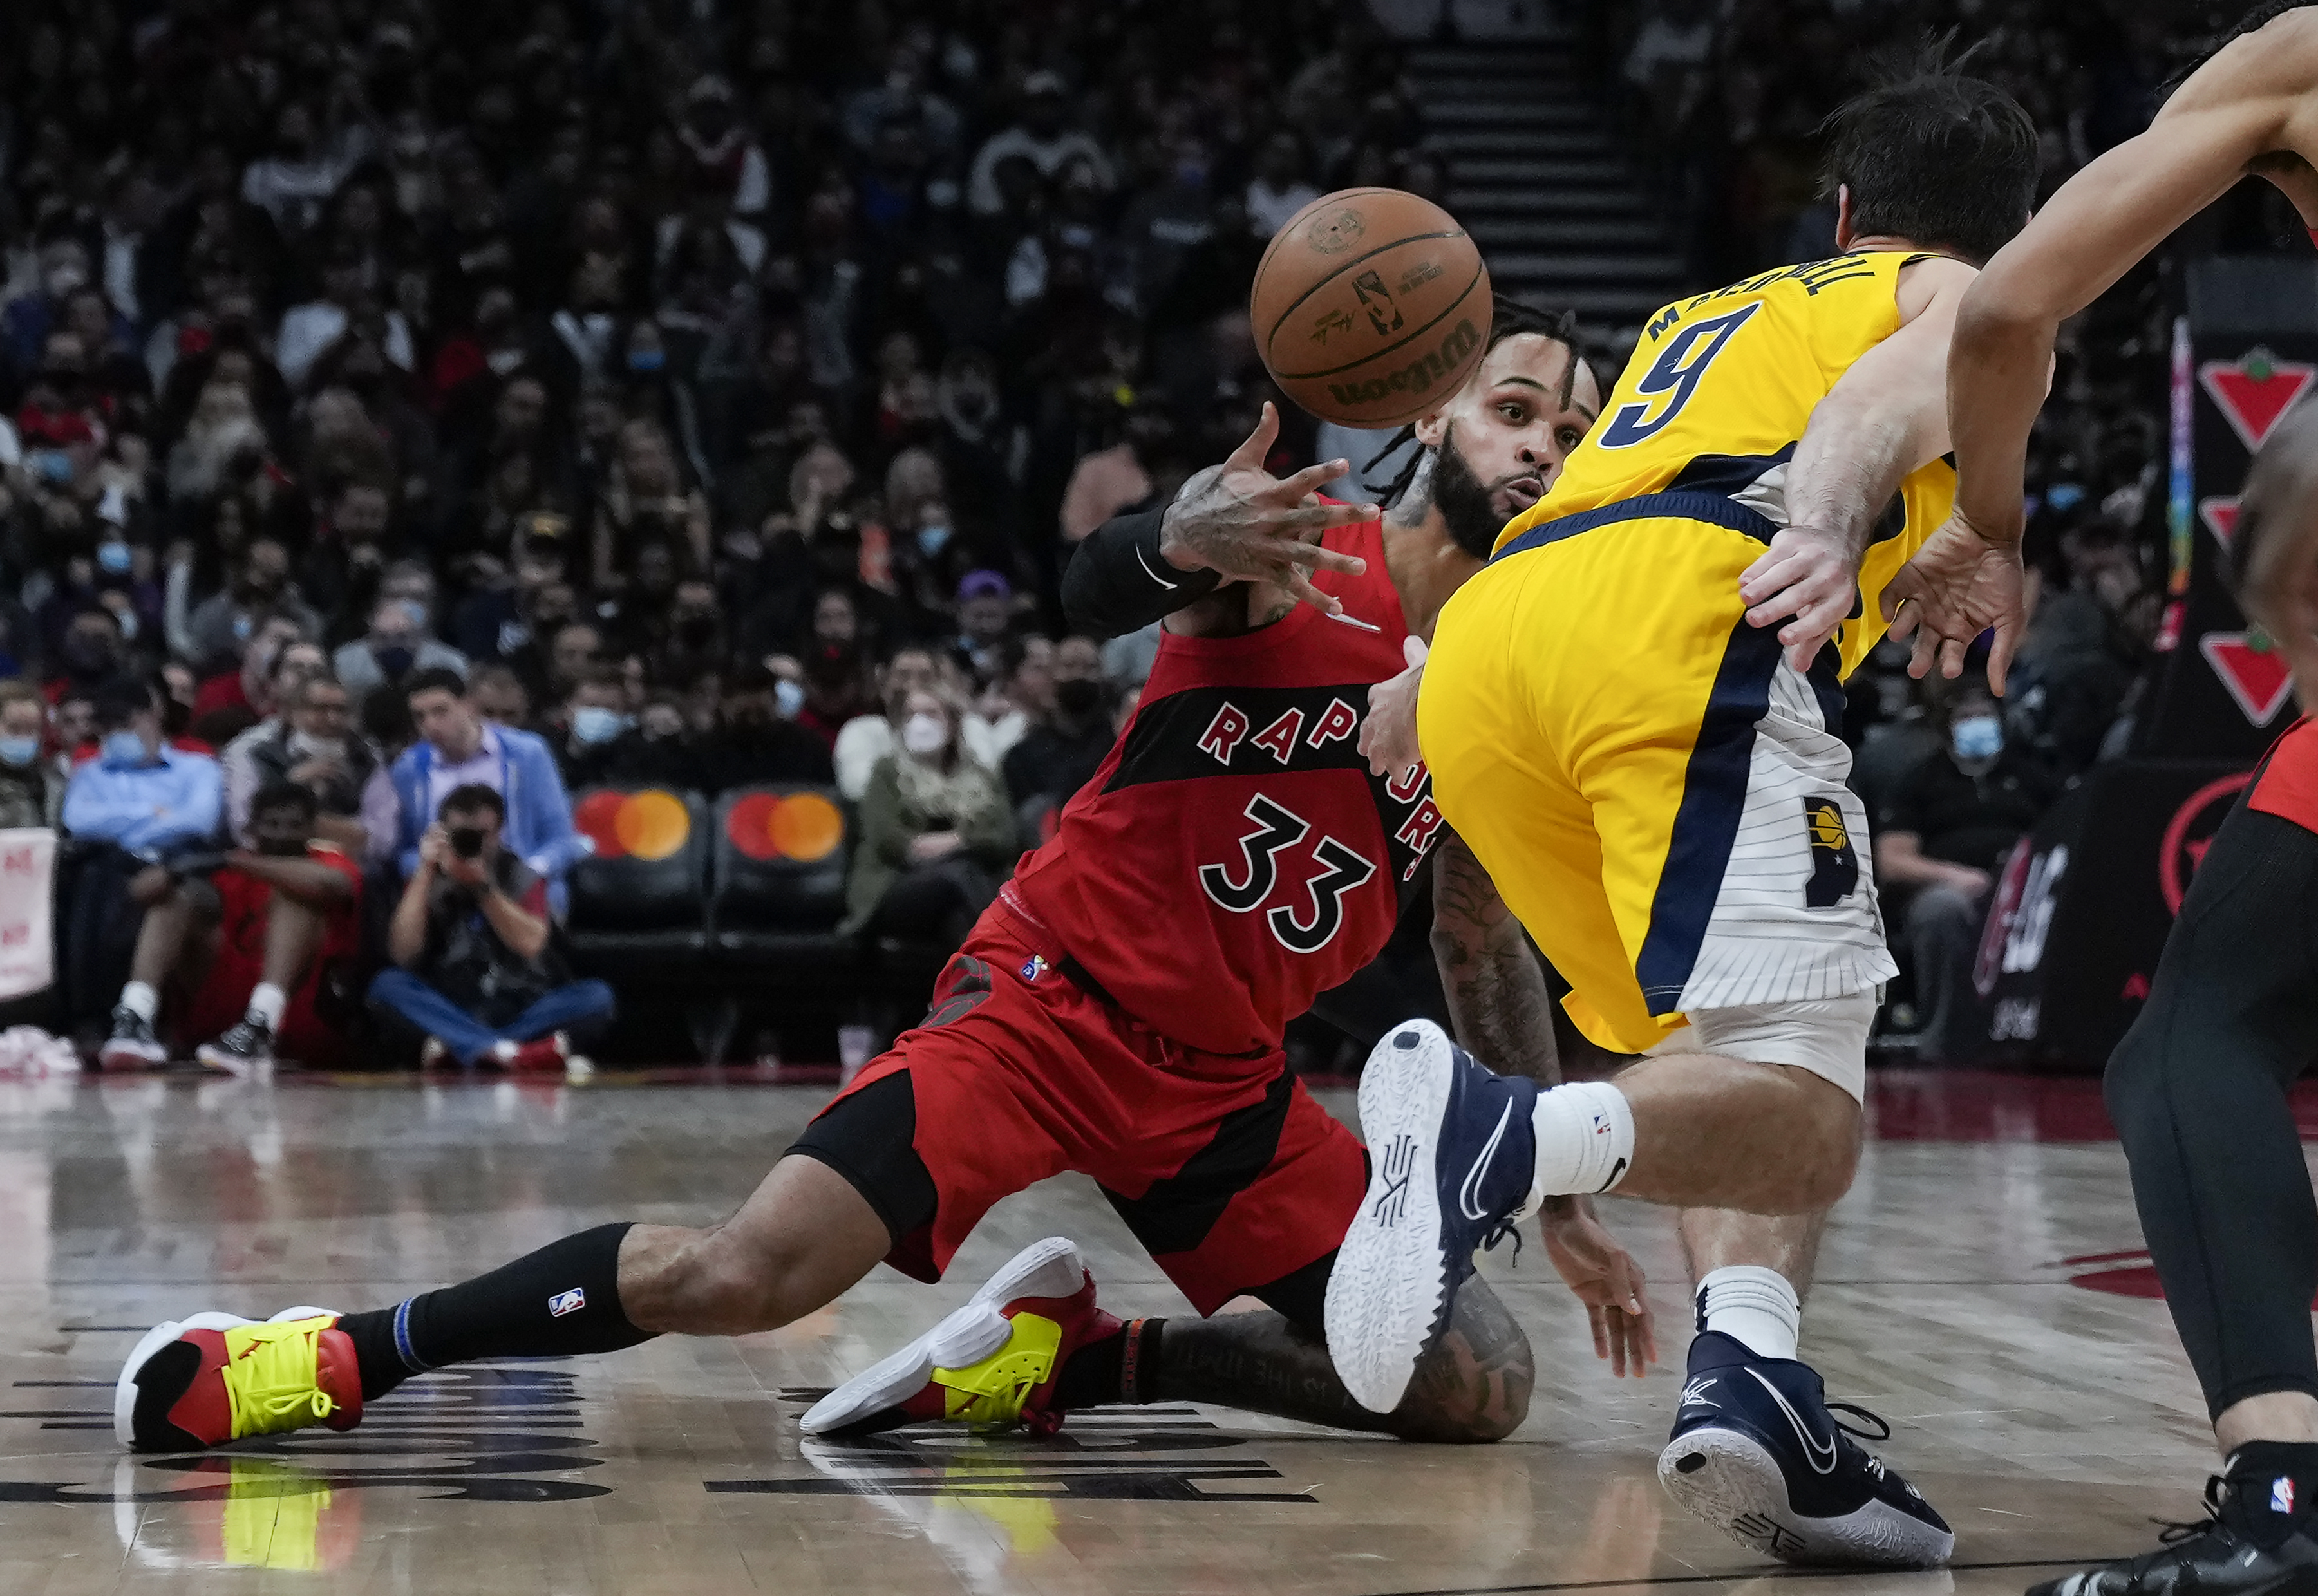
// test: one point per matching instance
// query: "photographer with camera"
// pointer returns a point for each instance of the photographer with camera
(245, 938)
(130, 814)
(476, 971)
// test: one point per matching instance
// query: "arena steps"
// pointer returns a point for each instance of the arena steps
(1561, 211)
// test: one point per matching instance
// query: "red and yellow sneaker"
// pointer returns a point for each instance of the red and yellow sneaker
(215, 1377)
(992, 1362)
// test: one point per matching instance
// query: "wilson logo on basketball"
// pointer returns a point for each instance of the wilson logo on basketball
(1418, 375)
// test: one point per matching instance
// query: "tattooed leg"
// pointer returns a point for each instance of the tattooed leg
(1473, 1385)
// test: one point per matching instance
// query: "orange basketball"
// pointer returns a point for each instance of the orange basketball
(1370, 307)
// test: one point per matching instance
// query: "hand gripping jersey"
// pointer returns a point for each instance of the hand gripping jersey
(1232, 857)
(1717, 396)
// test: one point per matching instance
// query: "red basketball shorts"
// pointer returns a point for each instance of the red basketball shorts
(1225, 1168)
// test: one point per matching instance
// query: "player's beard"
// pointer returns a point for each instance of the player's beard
(1466, 507)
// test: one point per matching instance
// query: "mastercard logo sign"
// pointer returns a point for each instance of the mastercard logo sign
(804, 827)
(647, 825)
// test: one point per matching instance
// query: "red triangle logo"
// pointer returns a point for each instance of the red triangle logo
(2257, 678)
(2254, 403)
(2219, 515)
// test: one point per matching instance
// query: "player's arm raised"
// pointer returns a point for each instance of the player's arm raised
(1502, 1014)
(1228, 523)
(1965, 579)
(1884, 418)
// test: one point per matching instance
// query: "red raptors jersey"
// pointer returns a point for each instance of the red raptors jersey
(1232, 857)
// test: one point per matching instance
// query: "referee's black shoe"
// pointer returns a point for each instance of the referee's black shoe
(2255, 1540)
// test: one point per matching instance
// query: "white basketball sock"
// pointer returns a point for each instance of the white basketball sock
(265, 1002)
(1584, 1139)
(140, 999)
(1754, 1306)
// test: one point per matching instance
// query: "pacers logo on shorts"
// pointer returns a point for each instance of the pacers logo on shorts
(1834, 867)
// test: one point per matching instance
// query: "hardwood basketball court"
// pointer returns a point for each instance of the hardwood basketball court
(1981, 1290)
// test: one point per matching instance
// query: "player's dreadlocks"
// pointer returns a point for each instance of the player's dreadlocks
(1508, 319)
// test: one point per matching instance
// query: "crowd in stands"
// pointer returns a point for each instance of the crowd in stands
(406, 399)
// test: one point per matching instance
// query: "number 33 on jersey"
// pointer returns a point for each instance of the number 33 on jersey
(1232, 857)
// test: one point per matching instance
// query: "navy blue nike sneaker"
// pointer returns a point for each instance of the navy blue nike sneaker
(1757, 1453)
(1451, 1158)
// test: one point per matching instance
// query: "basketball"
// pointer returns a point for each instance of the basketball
(1370, 307)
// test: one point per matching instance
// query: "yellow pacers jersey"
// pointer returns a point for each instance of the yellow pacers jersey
(1717, 396)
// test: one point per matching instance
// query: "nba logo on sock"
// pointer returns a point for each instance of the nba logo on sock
(567, 1302)
(2281, 1494)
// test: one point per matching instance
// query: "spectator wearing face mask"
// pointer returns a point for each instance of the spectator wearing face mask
(1940, 843)
(91, 652)
(1058, 756)
(937, 835)
(602, 744)
(866, 738)
(259, 585)
(30, 794)
(133, 812)
(395, 646)
(2085, 648)
(753, 743)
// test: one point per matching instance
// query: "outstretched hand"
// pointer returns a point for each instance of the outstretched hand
(1239, 520)
(1389, 736)
(1958, 585)
(1607, 1281)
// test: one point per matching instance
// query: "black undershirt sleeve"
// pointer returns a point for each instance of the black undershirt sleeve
(1117, 583)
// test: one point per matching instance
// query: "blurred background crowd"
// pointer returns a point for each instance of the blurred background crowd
(717, 389)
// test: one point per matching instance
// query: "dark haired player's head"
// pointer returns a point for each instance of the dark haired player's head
(1497, 445)
(1933, 158)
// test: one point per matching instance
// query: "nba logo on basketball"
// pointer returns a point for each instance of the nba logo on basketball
(567, 1302)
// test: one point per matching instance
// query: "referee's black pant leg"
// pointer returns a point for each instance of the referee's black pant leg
(2198, 1091)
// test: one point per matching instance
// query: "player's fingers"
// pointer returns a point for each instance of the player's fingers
(1317, 517)
(1999, 658)
(1775, 609)
(1772, 574)
(1925, 653)
(1312, 556)
(1300, 587)
(1595, 1317)
(1310, 480)
(1413, 648)
(1821, 612)
(1894, 599)
(1249, 455)
(1951, 652)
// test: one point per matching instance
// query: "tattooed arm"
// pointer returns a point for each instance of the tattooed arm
(1501, 1015)
(1498, 1005)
